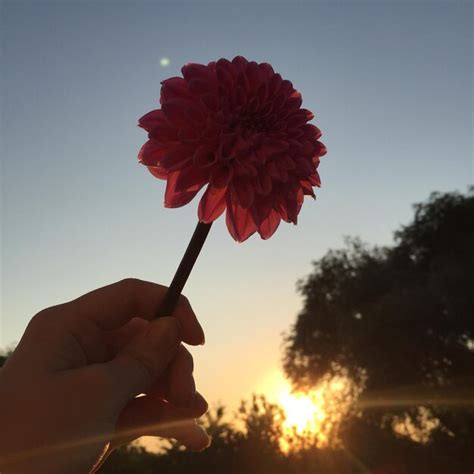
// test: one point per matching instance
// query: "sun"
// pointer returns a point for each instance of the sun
(303, 412)
(303, 417)
(310, 418)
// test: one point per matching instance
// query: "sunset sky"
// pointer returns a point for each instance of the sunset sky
(390, 84)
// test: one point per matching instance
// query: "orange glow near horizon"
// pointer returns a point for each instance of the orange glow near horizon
(310, 418)
(304, 414)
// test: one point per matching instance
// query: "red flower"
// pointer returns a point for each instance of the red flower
(239, 129)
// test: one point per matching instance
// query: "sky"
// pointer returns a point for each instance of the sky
(390, 84)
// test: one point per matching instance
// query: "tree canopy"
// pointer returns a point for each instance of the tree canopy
(398, 320)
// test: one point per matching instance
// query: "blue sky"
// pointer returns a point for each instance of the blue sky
(390, 84)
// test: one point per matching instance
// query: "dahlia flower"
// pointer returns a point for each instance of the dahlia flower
(236, 128)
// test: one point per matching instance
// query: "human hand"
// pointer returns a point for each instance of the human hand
(68, 393)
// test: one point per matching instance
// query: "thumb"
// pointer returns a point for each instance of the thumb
(145, 357)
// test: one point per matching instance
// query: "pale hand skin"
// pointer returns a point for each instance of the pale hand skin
(68, 391)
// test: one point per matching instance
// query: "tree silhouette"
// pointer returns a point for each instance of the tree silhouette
(250, 445)
(399, 321)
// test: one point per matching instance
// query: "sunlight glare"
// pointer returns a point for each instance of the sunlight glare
(303, 412)
(311, 418)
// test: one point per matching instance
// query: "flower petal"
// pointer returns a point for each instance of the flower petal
(304, 167)
(292, 211)
(177, 158)
(307, 188)
(244, 191)
(239, 221)
(299, 117)
(163, 132)
(262, 208)
(204, 156)
(225, 75)
(268, 227)
(188, 136)
(226, 65)
(286, 87)
(276, 171)
(150, 120)
(174, 198)
(210, 101)
(321, 149)
(263, 184)
(311, 131)
(158, 172)
(240, 63)
(294, 102)
(150, 153)
(314, 179)
(262, 93)
(274, 84)
(266, 71)
(221, 176)
(212, 204)
(199, 86)
(288, 207)
(172, 88)
(182, 113)
(190, 177)
(252, 74)
(293, 206)
(192, 71)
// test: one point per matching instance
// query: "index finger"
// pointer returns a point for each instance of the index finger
(112, 306)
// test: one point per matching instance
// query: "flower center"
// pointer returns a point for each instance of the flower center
(251, 122)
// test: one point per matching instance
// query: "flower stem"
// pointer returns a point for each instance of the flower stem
(168, 304)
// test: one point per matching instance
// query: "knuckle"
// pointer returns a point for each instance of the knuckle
(129, 284)
(44, 317)
(129, 289)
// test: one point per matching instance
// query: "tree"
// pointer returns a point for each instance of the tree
(399, 321)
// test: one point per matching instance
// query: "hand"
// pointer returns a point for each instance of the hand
(68, 393)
